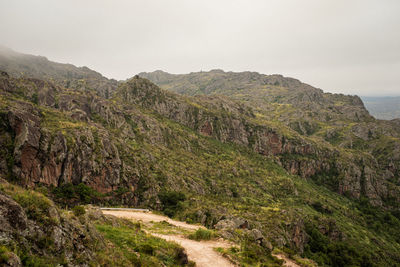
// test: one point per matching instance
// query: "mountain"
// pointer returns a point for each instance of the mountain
(282, 166)
(335, 127)
(384, 108)
(66, 75)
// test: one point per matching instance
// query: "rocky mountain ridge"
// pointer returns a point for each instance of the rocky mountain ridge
(313, 152)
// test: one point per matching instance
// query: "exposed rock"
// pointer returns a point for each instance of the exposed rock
(230, 224)
(12, 218)
(58, 236)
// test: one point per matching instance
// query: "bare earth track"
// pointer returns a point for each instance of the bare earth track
(201, 252)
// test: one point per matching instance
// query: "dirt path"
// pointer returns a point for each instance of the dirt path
(201, 252)
(147, 217)
(288, 262)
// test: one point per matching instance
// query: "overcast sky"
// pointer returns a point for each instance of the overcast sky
(347, 46)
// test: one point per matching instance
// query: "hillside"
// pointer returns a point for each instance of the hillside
(330, 194)
(326, 122)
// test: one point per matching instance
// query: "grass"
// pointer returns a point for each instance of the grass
(202, 234)
(165, 228)
(4, 254)
(247, 256)
(36, 205)
(141, 249)
(78, 210)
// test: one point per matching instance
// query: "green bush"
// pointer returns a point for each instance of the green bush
(201, 234)
(35, 205)
(81, 193)
(333, 253)
(35, 98)
(146, 248)
(3, 254)
(78, 210)
(321, 208)
(171, 202)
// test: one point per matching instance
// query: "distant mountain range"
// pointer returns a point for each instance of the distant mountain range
(384, 108)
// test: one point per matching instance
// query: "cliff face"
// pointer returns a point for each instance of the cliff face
(56, 141)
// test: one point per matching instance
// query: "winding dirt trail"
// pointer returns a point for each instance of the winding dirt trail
(288, 262)
(201, 252)
(147, 217)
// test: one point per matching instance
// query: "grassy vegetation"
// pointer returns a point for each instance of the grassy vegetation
(171, 201)
(141, 249)
(249, 254)
(72, 194)
(78, 210)
(36, 205)
(166, 228)
(4, 254)
(202, 234)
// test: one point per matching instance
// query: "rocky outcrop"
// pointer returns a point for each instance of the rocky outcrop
(40, 230)
(41, 156)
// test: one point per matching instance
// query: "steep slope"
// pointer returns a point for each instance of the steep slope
(66, 75)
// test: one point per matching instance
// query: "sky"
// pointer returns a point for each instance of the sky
(341, 46)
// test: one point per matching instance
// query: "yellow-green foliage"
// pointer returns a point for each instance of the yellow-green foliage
(56, 120)
(78, 210)
(36, 205)
(201, 234)
(131, 246)
(4, 254)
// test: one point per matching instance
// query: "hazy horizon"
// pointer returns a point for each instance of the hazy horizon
(349, 47)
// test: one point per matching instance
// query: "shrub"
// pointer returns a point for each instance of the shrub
(78, 210)
(35, 205)
(171, 202)
(201, 234)
(333, 253)
(81, 193)
(3, 254)
(146, 248)
(35, 98)
(321, 208)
